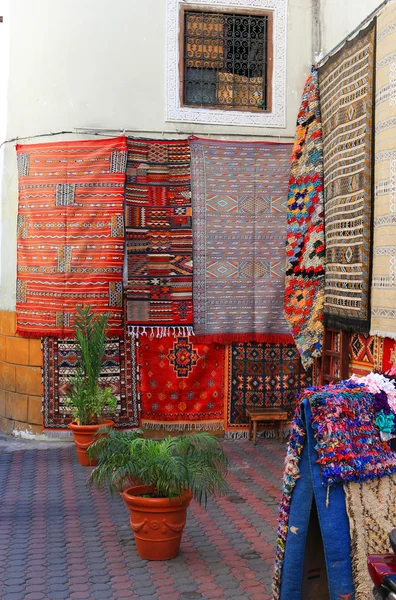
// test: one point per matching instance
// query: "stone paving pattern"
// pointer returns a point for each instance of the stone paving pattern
(60, 539)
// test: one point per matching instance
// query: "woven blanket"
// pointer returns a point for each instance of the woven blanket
(158, 237)
(181, 383)
(365, 354)
(371, 511)
(304, 294)
(347, 440)
(263, 376)
(70, 234)
(346, 95)
(388, 354)
(60, 359)
(383, 292)
(239, 192)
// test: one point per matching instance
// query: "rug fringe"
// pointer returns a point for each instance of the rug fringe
(154, 331)
(263, 433)
(229, 338)
(198, 426)
(383, 334)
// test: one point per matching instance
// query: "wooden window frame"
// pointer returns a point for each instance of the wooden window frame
(270, 54)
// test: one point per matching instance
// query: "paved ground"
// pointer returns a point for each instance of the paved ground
(59, 539)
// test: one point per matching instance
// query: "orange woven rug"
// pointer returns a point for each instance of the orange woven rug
(70, 234)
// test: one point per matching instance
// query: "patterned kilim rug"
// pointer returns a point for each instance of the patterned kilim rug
(239, 192)
(346, 96)
(383, 299)
(365, 354)
(263, 376)
(181, 383)
(304, 294)
(70, 234)
(158, 237)
(371, 511)
(119, 373)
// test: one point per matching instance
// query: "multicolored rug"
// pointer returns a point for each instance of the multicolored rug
(239, 192)
(365, 354)
(70, 234)
(158, 237)
(305, 251)
(181, 383)
(383, 291)
(119, 372)
(263, 376)
(346, 84)
(371, 511)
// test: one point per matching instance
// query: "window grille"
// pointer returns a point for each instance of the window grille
(226, 60)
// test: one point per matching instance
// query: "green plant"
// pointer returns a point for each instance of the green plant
(88, 401)
(170, 466)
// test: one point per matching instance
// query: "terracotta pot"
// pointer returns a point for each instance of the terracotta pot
(157, 523)
(84, 435)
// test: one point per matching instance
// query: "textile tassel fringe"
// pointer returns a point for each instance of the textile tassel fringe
(229, 338)
(200, 426)
(384, 334)
(244, 435)
(136, 331)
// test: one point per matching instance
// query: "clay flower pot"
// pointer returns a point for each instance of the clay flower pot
(84, 435)
(157, 523)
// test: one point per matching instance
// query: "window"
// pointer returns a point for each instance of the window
(226, 60)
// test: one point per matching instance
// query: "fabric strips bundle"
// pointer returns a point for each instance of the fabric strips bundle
(70, 234)
(383, 301)
(158, 238)
(346, 84)
(239, 195)
(304, 294)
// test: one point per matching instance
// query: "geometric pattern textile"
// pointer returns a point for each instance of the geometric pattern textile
(263, 376)
(239, 192)
(70, 234)
(60, 358)
(365, 354)
(304, 293)
(158, 237)
(346, 84)
(181, 383)
(383, 291)
(371, 509)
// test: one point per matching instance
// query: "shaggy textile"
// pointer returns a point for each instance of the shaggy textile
(60, 359)
(181, 383)
(304, 293)
(158, 237)
(346, 95)
(70, 234)
(371, 510)
(365, 354)
(263, 376)
(347, 440)
(239, 192)
(383, 292)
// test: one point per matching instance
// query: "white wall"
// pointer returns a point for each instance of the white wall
(101, 64)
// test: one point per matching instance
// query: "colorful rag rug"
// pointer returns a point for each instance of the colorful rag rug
(239, 192)
(346, 84)
(60, 358)
(365, 354)
(347, 440)
(305, 251)
(70, 234)
(181, 383)
(158, 238)
(371, 509)
(383, 291)
(263, 376)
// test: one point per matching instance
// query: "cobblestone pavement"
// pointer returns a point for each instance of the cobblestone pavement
(60, 539)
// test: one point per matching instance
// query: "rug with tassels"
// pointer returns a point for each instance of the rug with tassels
(181, 383)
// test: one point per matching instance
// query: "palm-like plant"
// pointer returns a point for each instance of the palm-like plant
(168, 467)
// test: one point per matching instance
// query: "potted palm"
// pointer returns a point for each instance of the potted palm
(89, 402)
(167, 473)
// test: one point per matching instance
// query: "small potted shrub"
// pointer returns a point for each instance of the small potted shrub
(89, 402)
(167, 474)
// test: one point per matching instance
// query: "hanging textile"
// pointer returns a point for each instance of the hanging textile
(60, 358)
(158, 238)
(239, 192)
(70, 234)
(304, 293)
(383, 300)
(365, 354)
(181, 383)
(346, 84)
